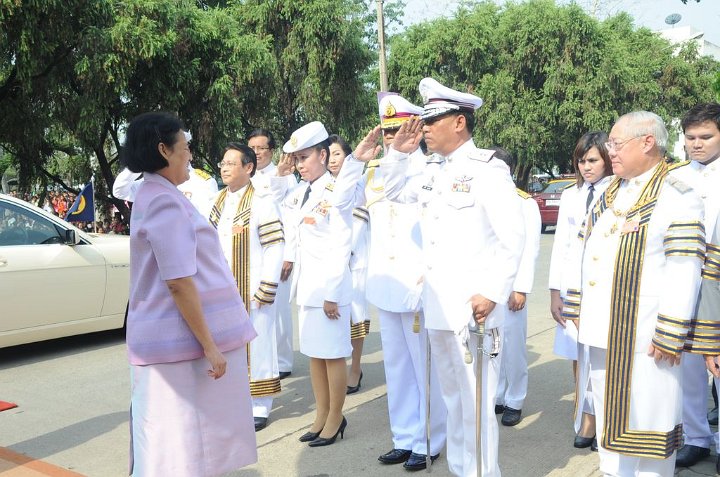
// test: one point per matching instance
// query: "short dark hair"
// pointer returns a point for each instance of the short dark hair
(145, 132)
(335, 139)
(262, 132)
(323, 145)
(504, 156)
(585, 143)
(247, 155)
(701, 113)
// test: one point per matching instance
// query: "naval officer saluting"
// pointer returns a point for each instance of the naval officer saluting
(472, 244)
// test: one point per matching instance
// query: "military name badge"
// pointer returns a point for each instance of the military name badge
(630, 226)
(461, 184)
(322, 208)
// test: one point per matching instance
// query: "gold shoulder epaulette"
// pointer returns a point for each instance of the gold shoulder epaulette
(330, 186)
(202, 174)
(676, 165)
(522, 193)
(681, 186)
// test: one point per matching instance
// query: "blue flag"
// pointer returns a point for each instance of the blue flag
(83, 209)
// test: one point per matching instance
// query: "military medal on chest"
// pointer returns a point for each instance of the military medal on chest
(461, 184)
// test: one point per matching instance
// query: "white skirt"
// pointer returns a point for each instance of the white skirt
(566, 344)
(184, 423)
(321, 337)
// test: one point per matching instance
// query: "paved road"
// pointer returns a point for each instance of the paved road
(73, 399)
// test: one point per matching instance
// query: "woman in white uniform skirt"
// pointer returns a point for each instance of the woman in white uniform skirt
(359, 317)
(593, 171)
(187, 328)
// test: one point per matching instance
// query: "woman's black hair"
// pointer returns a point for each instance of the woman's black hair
(589, 140)
(145, 132)
(335, 139)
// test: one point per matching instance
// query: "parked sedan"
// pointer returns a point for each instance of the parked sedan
(548, 200)
(56, 280)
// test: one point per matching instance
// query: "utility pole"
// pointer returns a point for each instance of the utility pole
(381, 41)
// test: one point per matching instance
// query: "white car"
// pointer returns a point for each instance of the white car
(56, 280)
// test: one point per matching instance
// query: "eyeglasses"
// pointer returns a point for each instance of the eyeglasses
(617, 145)
(260, 148)
(222, 164)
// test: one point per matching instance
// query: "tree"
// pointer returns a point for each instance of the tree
(548, 74)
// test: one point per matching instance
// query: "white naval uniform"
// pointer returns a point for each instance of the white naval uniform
(696, 430)
(323, 235)
(513, 377)
(472, 244)
(571, 216)
(394, 269)
(359, 250)
(200, 188)
(619, 318)
(284, 324)
(265, 264)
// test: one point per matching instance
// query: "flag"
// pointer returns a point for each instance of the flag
(83, 209)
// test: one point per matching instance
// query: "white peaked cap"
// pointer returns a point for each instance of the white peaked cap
(395, 110)
(439, 99)
(306, 136)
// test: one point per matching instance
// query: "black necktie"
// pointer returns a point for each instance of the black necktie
(305, 197)
(589, 200)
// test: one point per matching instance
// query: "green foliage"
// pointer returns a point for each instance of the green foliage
(548, 74)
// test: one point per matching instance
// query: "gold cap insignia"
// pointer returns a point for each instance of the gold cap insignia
(293, 141)
(389, 110)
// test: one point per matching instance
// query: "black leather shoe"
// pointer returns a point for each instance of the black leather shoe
(260, 423)
(511, 417)
(395, 456)
(326, 441)
(499, 408)
(593, 446)
(689, 455)
(309, 436)
(712, 417)
(417, 461)
(284, 374)
(354, 389)
(583, 442)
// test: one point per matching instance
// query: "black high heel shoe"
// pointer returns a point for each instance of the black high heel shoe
(322, 441)
(309, 436)
(354, 389)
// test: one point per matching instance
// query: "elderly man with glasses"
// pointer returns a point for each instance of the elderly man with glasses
(634, 292)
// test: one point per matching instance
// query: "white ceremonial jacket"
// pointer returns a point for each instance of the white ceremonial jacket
(571, 216)
(266, 243)
(670, 278)
(266, 181)
(533, 227)
(322, 236)
(472, 231)
(395, 260)
(201, 188)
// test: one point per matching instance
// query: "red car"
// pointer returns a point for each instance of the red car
(548, 200)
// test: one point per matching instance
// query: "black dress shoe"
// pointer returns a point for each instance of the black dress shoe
(260, 423)
(712, 417)
(499, 408)
(326, 441)
(593, 446)
(583, 442)
(285, 374)
(689, 455)
(511, 417)
(395, 456)
(354, 389)
(309, 436)
(417, 461)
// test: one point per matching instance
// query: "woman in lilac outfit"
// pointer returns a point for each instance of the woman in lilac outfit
(187, 328)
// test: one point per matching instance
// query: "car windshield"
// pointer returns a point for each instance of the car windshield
(555, 187)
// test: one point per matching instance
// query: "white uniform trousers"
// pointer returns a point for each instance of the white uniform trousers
(284, 326)
(405, 360)
(612, 463)
(696, 429)
(457, 382)
(263, 355)
(583, 392)
(513, 379)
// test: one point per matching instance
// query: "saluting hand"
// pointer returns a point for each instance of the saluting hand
(408, 137)
(286, 165)
(368, 148)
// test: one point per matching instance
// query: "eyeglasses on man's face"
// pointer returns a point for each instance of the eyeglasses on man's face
(614, 145)
(222, 164)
